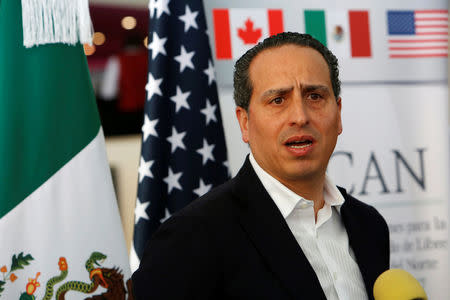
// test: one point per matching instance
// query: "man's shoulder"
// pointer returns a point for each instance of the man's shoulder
(202, 221)
(218, 201)
(359, 209)
(220, 206)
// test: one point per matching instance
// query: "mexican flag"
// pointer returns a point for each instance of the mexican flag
(60, 231)
(345, 32)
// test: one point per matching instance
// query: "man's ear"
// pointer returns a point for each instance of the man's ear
(339, 104)
(242, 116)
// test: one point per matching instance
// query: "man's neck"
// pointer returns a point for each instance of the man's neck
(311, 190)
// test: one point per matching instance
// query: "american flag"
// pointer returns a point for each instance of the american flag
(418, 33)
(183, 146)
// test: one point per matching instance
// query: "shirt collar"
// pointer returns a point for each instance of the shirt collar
(286, 200)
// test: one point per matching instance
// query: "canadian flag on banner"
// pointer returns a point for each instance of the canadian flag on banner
(237, 30)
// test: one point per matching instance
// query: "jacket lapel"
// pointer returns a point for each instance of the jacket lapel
(359, 241)
(262, 221)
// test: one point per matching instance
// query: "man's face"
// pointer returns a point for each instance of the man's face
(293, 119)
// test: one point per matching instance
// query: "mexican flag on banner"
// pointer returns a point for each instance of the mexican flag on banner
(60, 231)
(345, 33)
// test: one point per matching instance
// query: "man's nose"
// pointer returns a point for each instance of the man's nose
(298, 112)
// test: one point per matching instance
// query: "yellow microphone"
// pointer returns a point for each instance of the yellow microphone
(396, 284)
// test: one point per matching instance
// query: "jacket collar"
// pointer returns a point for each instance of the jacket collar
(267, 229)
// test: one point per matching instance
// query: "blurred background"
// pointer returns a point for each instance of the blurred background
(121, 29)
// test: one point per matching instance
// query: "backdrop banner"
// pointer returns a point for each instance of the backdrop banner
(394, 150)
(393, 154)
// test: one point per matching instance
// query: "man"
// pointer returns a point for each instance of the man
(280, 229)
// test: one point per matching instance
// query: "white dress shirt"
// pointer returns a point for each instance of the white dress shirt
(325, 242)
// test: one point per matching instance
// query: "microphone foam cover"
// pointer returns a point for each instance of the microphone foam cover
(397, 284)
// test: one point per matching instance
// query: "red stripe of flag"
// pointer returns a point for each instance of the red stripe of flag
(418, 41)
(431, 26)
(222, 33)
(431, 19)
(360, 33)
(418, 55)
(419, 48)
(275, 21)
(432, 11)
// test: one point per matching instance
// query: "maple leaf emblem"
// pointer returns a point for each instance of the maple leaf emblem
(249, 34)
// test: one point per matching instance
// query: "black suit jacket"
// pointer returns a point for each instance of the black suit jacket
(233, 243)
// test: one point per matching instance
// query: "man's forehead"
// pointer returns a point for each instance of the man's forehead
(276, 50)
(277, 54)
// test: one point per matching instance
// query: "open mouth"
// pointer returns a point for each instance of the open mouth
(299, 144)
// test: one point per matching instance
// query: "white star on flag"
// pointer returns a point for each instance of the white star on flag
(226, 164)
(202, 188)
(144, 169)
(206, 151)
(157, 45)
(185, 59)
(151, 7)
(172, 180)
(176, 139)
(189, 19)
(161, 7)
(139, 211)
(210, 72)
(149, 127)
(180, 99)
(209, 112)
(152, 86)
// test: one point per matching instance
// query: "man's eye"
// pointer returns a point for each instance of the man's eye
(315, 96)
(277, 100)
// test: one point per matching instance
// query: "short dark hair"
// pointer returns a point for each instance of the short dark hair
(242, 84)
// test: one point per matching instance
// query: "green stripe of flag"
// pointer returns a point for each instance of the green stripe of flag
(47, 109)
(315, 25)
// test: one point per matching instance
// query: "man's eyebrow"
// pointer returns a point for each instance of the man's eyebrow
(280, 91)
(315, 87)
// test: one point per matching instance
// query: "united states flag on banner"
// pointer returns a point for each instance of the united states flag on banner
(183, 145)
(417, 33)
